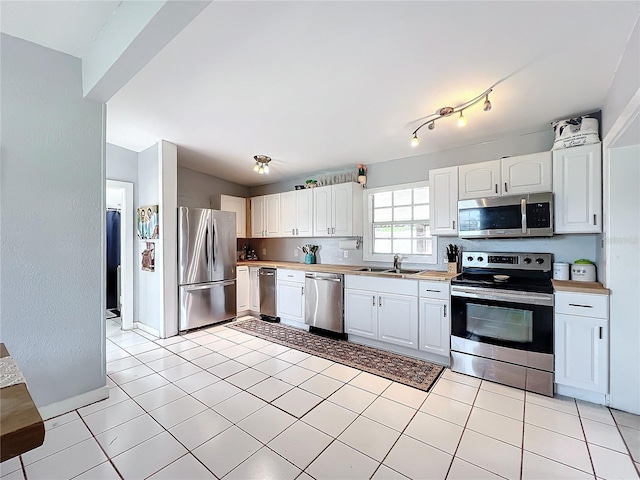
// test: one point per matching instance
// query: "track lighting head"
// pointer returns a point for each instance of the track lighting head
(487, 104)
(462, 121)
(414, 141)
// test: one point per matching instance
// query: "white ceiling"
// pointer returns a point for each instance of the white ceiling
(321, 86)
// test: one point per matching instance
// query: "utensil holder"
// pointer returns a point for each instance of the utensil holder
(452, 268)
(310, 258)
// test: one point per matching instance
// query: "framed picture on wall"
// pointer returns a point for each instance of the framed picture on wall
(148, 227)
(149, 257)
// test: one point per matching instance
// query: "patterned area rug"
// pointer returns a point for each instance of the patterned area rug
(410, 371)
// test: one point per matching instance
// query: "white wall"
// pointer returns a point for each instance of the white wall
(196, 188)
(624, 278)
(149, 305)
(51, 228)
(122, 165)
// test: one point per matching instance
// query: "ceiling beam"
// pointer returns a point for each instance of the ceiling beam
(132, 37)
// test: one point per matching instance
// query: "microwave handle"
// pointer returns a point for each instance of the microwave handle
(523, 211)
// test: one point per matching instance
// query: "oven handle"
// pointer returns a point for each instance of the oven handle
(526, 298)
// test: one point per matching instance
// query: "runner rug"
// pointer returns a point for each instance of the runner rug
(409, 371)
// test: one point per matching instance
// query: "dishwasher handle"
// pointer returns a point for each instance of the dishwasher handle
(327, 277)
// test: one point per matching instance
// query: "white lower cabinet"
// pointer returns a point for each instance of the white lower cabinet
(582, 341)
(254, 289)
(242, 289)
(398, 319)
(290, 295)
(435, 323)
(387, 312)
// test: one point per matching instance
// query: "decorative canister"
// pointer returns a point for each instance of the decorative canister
(561, 271)
(583, 271)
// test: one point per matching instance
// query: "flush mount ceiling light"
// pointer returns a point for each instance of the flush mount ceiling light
(448, 111)
(262, 164)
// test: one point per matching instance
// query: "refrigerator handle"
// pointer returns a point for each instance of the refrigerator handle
(206, 286)
(206, 246)
(215, 244)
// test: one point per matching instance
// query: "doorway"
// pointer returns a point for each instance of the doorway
(120, 227)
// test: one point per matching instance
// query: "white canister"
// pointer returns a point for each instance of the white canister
(583, 272)
(561, 271)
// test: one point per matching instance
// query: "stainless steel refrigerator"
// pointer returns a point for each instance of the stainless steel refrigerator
(206, 267)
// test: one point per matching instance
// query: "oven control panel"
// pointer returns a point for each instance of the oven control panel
(520, 261)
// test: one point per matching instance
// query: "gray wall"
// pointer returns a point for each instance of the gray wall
(122, 165)
(196, 188)
(52, 247)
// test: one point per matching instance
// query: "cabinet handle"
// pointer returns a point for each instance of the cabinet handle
(333, 230)
(302, 290)
(297, 232)
(594, 219)
(430, 290)
(496, 188)
(581, 306)
(505, 187)
(380, 301)
(445, 311)
(600, 333)
(454, 224)
(374, 301)
(328, 231)
(293, 231)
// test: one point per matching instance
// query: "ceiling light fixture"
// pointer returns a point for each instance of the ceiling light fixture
(448, 111)
(262, 164)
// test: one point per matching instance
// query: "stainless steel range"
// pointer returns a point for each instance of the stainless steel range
(502, 319)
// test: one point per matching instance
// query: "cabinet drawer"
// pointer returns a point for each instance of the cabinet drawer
(582, 304)
(439, 290)
(242, 268)
(291, 275)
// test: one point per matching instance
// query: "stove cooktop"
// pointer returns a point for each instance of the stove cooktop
(518, 283)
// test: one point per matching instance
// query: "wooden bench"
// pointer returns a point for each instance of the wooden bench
(21, 426)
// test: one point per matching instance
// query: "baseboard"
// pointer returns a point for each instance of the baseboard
(580, 394)
(146, 328)
(73, 403)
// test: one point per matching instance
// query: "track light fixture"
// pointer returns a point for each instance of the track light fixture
(448, 111)
(262, 164)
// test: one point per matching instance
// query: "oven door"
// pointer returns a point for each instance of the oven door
(511, 319)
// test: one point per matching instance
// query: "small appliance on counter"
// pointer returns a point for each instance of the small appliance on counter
(583, 271)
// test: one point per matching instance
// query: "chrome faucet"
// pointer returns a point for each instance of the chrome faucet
(396, 262)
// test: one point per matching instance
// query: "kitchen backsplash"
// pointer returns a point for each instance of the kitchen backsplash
(565, 248)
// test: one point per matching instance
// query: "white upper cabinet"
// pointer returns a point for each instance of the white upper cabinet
(257, 218)
(296, 213)
(577, 186)
(508, 176)
(265, 216)
(479, 180)
(443, 201)
(526, 174)
(237, 205)
(337, 210)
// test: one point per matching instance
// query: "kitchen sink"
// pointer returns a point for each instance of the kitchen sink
(400, 271)
(372, 269)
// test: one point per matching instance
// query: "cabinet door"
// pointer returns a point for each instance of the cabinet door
(254, 289)
(291, 301)
(578, 189)
(288, 214)
(272, 215)
(242, 289)
(526, 174)
(479, 180)
(360, 313)
(435, 327)
(398, 319)
(322, 211)
(304, 213)
(581, 352)
(238, 206)
(257, 217)
(443, 201)
(342, 210)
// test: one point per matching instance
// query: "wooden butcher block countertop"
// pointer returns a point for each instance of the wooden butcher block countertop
(579, 287)
(433, 275)
(21, 426)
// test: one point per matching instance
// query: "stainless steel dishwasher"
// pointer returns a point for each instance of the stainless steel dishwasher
(267, 281)
(323, 301)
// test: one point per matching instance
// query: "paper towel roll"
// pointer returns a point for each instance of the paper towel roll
(348, 244)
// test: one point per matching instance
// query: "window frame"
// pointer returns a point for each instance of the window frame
(368, 254)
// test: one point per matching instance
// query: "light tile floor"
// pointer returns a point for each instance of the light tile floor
(218, 403)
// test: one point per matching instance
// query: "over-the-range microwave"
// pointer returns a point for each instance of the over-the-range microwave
(528, 215)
